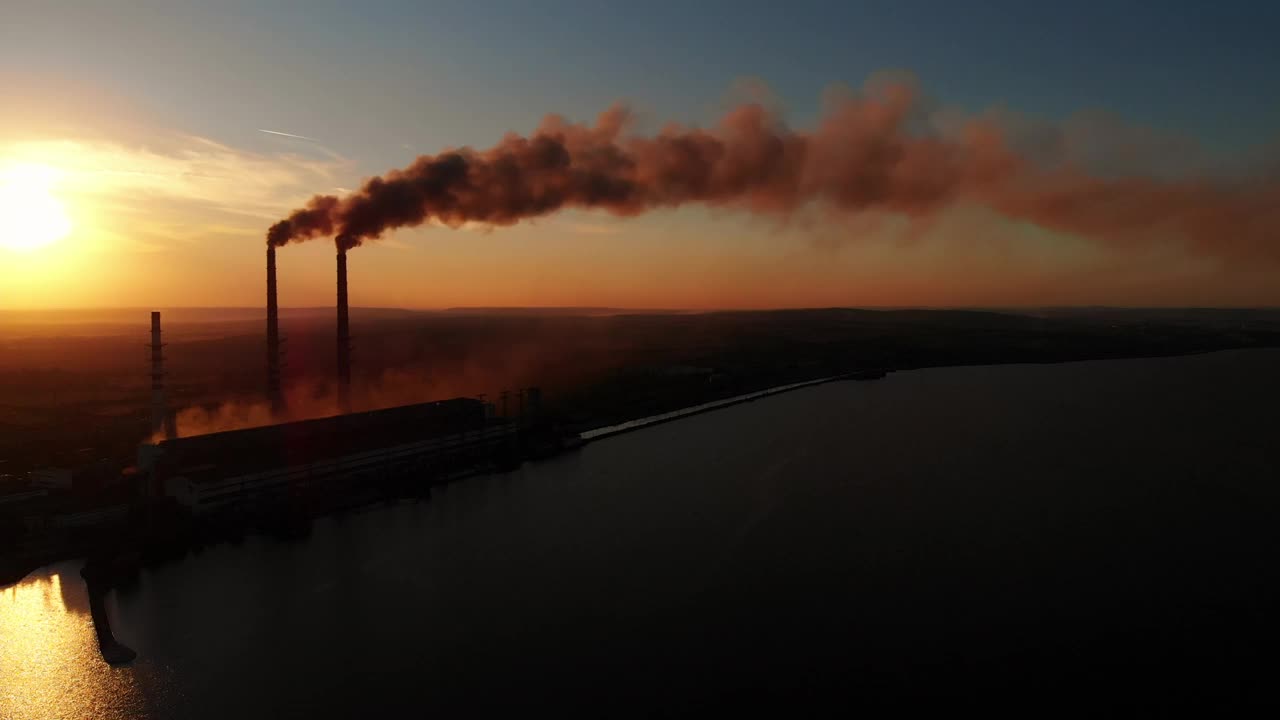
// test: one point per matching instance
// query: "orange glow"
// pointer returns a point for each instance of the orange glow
(181, 225)
(33, 216)
(47, 645)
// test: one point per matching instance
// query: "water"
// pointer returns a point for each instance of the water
(959, 534)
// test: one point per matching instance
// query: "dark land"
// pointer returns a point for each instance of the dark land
(75, 386)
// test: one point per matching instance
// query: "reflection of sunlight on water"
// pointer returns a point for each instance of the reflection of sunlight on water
(49, 661)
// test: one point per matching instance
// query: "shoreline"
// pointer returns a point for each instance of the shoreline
(14, 571)
(608, 431)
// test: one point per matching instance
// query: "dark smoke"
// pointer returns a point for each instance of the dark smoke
(865, 154)
(314, 220)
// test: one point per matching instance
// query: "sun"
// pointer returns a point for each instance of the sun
(31, 216)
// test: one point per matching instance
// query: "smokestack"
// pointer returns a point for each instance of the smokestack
(344, 336)
(162, 421)
(274, 394)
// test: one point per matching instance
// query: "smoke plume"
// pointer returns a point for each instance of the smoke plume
(869, 151)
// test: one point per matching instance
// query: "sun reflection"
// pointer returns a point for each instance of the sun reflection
(50, 666)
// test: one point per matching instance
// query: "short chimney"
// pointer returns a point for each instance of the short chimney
(162, 421)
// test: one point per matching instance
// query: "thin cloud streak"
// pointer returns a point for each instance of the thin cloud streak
(176, 189)
(285, 134)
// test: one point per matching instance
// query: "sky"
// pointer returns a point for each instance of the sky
(135, 157)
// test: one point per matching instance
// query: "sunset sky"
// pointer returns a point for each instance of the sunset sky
(145, 147)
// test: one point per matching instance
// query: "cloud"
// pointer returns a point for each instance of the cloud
(310, 142)
(177, 188)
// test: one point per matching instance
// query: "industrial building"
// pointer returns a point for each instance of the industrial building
(256, 465)
(314, 458)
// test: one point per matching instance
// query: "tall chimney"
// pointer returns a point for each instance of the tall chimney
(344, 337)
(161, 419)
(273, 337)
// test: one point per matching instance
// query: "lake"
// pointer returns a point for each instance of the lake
(1079, 534)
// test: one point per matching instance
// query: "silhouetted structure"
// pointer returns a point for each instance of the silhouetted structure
(98, 585)
(209, 472)
(274, 393)
(161, 420)
(344, 336)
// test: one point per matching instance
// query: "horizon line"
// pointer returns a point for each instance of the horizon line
(778, 308)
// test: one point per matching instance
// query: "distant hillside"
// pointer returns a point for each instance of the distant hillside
(561, 311)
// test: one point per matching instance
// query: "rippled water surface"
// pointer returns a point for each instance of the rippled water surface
(945, 530)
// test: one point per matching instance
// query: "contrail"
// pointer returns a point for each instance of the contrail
(285, 134)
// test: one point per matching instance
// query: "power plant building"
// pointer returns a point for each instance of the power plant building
(211, 472)
(216, 471)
